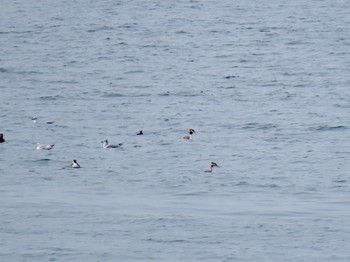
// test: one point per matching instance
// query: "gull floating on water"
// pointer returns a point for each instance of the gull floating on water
(212, 165)
(189, 137)
(35, 119)
(74, 164)
(106, 145)
(2, 140)
(44, 147)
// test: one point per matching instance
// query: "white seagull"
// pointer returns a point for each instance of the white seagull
(106, 145)
(44, 147)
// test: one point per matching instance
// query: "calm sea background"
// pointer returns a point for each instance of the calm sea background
(264, 83)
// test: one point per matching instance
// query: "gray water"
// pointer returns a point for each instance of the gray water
(264, 83)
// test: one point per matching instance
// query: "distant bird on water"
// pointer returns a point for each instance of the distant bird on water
(74, 164)
(140, 133)
(35, 119)
(189, 137)
(211, 169)
(44, 147)
(106, 145)
(2, 140)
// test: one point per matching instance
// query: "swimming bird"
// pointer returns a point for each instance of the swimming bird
(189, 137)
(2, 140)
(106, 145)
(212, 165)
(34, 119)
(140, 133)
(44, 147)
(74, 164)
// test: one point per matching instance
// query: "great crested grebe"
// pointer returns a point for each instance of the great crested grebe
(74, 164)
(212, 165)
(189, 137)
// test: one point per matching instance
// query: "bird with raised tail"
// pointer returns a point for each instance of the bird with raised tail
(211, 169)
(44, 147)
(74, 164)
(106, 145)
(189, 137)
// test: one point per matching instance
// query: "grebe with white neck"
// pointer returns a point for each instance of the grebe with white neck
(74, 164)
(211, 169)
(190, 132)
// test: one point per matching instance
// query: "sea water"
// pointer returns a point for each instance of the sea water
(265, 85)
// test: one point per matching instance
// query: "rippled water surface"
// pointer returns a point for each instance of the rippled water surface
(264, 83)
